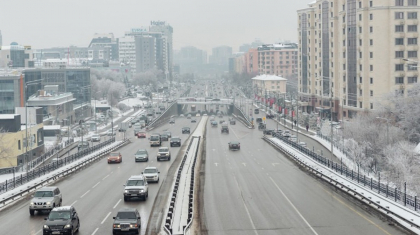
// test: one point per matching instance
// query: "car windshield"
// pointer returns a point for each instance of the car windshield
(154, 138)
(55, 215)
(95, 136)
(126, 215)
(150, 171)
(163, 150)
(142, 133)
(115, 154)
(135, 183)
(234, 143)
(175, 139)
(44, 194)
(141, 152)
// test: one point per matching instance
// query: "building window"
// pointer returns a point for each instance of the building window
(371, 42)
(412, 28)
(371, 3)
(360, 67)
(371, 68)
(412, 2)
(399, 80)
(371, 55)
(19, 147)
(399, 28)
(412, 54)
(360, 4)
(360, 30)
(412, 79)
(371, 93)
(371, 105)
(371, 16)
(371, 29)
(399, 41)
(399, 67)
(399, 54)
(361, 104)
(371, 80)
(399, 15)
(360, 92)
(360, 79)
(360, 17)
(412, 15)
(399, 2)
(412, 41)
(412, 68)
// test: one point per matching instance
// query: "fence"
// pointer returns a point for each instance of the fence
(42, 170)
(401, 197)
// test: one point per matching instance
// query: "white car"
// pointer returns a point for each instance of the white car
(303, 144)
(151, 174)
(110, 133)
(198, 115)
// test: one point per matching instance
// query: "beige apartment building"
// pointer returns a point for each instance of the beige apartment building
(278, 59)
(267, 86)
(353, 52)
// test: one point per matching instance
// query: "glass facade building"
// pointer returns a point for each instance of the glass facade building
(9, 94)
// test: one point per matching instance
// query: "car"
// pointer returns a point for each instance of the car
(62, 220)
(155, 140)
(168, 133)
(286, 134)
(221, 121)
(268, 132)
(114, 157)
(186, 130)
(293, 138)
(141, 156)
(82, 145)
(164, 137)
(212, 118)
(215, 100)
(205, 114)
(158, 112)
(182, 115)
(189, 116)
(134, 120)
(163, 153)
(172, 121)
(259, 120)
(95, 138)
(128, 221)
(151, 174)
(234, 145)
(136, 187)
(110, 133)
(232, 122)
(45, 199)
(175, 141)
(302, 144)
(193, 121)
(136, 130)
(214, 124)
(225, 129)
(141, 134)
(261, 126)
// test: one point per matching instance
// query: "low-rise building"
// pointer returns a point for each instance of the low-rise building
(268, 86)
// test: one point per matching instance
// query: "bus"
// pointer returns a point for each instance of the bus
(193, 108)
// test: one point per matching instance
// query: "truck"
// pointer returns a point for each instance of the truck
(193, 108)
(124, 126)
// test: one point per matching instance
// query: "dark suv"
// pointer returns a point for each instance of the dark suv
(62, 220)
(225, 129)
(175, 141)
(127, 221)
(185, 130)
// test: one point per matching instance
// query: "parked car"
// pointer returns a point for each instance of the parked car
(189, 116)
(136, 187)
(259, 120)
(234, 145)
(293, 138)
(175, 141)
(62, 220)
(45, 199)
(163, 153)
(151, 174)
(114, 157)
(141, 156)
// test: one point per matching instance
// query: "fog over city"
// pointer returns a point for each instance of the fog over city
(204, 24)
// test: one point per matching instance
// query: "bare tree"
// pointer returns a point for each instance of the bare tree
(6, 149)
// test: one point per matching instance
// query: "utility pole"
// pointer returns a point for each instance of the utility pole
(332, 134)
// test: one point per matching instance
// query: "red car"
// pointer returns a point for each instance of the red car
(114, 157)
(141, 134)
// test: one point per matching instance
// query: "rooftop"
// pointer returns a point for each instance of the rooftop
(8, 116)
(267, 77)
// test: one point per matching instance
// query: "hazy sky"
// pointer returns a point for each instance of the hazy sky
(201, 23)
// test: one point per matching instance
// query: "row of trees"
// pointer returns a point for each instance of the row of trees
(107, 85)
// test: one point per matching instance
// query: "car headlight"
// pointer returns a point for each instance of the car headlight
(141, 190)
(46, 226)
(125, 191)
(32, 203)
(67, 226)
(48, 203)
(116, 225)
(133, 225)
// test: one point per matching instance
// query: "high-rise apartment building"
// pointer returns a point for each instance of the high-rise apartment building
(167, 46)
(220, 56)
(190, 59)
(353, 52)
(278, 59)
(16, 56)
(103, 47)
(145, 53)
(127, 51)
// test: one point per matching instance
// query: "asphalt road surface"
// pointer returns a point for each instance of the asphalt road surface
(258, 191)
(97, 191)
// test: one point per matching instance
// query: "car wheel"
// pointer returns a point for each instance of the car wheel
(147, 159)
(125, 199)
(169, 158)
(78, 225)
(157, 180)
(31, 212)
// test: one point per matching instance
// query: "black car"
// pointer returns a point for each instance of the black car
(164, 137)
(214, 124)
(62, 220)
(232, 122)
(175, 141)
(127, 221)
(234, 145)
(225, 129)
(270, 116)
(185, 130)
(268, 132)
(193, 121)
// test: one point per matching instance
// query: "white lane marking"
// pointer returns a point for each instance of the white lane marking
(215, 163)
(274, 164)
(73, 203)
(105, 177)
(297, 211)
(246, 208)
(96, 184)
(96, 230)
(244, 163)
(85, 194)
(117, 204)
(38, 232)
(106, 217)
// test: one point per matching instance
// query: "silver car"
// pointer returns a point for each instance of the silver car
(136, 186)
(163, 153)
(141, 155)
(151, 174)
(96, 138)
(45, 199)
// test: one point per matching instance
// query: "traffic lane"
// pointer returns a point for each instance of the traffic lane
(83, 191)
(260, 179)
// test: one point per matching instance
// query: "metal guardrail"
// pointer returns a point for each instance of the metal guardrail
(170, 214)
(242, 117)
(401, 197)
(161, 119)
(47, 168)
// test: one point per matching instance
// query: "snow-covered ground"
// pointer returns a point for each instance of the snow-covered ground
(61, 169)
(379, 199)
(133, 102)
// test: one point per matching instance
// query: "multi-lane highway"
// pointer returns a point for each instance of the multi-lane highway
(97, 191)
